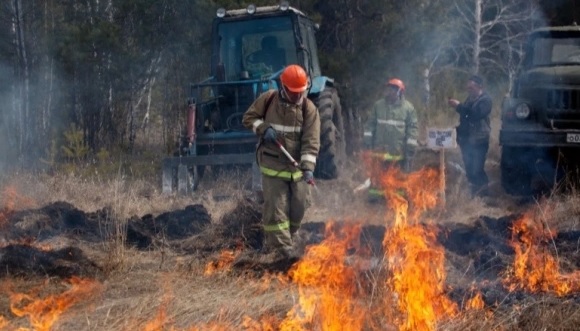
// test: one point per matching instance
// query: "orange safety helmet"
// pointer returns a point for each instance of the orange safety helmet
(294, 78)
(398, 83)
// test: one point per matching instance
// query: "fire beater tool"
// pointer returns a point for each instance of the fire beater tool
(363, 186)
(310, 182)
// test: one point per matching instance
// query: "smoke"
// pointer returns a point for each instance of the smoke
(30, 117)
(8, 145)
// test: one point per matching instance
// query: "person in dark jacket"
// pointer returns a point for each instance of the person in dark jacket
(473, 133)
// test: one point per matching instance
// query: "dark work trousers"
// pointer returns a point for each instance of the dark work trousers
(285, 203)
(474, 160)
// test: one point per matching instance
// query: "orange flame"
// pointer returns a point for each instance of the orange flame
(223, 263)
(43, 313)
(3, 322)
(266, 323)
(213, 326)
(535, 269)
(476, 302)
(158, 322)
(329, 297)
(416, 260)
(10, 200)
(160, 319)
(327, 284)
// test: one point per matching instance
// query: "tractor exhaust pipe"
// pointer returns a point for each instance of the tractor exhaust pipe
(191, 121)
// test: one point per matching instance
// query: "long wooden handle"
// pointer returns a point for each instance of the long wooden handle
(287, 154)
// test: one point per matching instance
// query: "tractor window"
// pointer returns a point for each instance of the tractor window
(556, 51)
(309, 40)
(260, 46)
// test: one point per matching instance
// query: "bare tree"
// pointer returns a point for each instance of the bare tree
(22, 84)
(489, 26)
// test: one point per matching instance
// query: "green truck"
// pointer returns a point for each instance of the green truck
(540, 130)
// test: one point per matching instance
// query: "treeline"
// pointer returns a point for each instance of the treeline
(117, 71)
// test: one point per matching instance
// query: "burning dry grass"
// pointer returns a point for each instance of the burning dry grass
(41, 309)
(339, 284)
(536, 266)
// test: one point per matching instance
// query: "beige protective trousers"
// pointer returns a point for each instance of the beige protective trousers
(285, 203)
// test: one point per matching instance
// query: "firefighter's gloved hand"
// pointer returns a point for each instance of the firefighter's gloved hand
(308, 177)
(270, 136)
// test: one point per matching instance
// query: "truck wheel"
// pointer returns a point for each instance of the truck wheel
(515, 171)
(332, 142)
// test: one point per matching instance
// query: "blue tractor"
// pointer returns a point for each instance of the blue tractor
(250, 48)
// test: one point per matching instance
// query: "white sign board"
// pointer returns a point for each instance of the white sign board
(441, 138)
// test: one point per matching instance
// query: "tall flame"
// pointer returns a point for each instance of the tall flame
(415, 259)
(327, 279)
(327, 284)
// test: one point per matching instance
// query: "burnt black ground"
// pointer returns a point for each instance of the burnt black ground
(480, 251)
(28, 235)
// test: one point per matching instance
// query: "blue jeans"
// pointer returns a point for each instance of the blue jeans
(474, 155)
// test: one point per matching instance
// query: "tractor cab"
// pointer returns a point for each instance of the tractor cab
(253, 43)
(250, 48)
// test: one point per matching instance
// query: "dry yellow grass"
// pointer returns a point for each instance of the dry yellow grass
(140, 285)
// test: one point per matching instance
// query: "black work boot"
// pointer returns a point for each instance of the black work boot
(290, 255)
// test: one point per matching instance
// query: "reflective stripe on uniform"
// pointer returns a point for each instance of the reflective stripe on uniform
(256, 124)
(308, 157)
(392, 122)
(284, 225)
(412, 141)
(295, 176)
(400, 192)
(286, 128)
(387, 156)
(376, 192)
(295, 225)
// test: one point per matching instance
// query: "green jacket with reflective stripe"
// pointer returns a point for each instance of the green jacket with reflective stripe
(297, 128)
(392, 128)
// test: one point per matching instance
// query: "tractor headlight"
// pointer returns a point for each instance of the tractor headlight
(523, 111)
(251, 9)
(221, 12)
(284, 5)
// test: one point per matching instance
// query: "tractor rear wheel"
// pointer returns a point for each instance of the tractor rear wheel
(332, 140)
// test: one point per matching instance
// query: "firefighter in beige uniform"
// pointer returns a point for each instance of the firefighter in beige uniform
(293, 121)
(391, 132)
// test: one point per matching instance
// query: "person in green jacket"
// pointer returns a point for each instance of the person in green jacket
(391, 131)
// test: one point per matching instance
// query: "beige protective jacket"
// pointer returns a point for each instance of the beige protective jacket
(297, 128)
